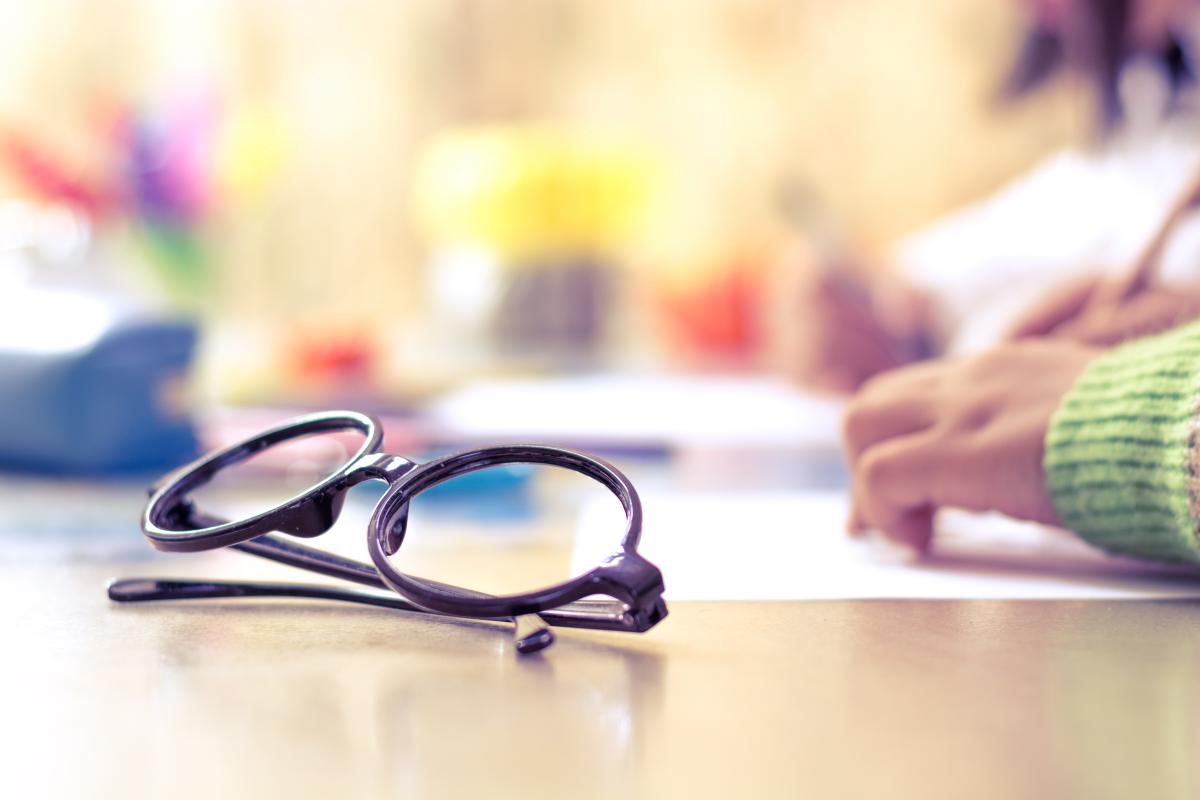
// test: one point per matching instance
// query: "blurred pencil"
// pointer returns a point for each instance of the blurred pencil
(1141, 275)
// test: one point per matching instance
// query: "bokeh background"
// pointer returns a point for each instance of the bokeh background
(374, 202)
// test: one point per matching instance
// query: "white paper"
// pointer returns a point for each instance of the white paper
(742, 411)
(793, 546)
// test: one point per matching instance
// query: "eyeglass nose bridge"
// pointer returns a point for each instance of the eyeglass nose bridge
(393, 535)
(316, 513)
(389, 469)
(378, 466)
(310, 517)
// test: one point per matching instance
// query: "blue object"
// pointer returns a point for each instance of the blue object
(84, 388)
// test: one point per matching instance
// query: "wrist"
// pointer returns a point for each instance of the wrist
(1119, 449)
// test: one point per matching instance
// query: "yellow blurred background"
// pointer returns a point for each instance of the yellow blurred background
(327, 120)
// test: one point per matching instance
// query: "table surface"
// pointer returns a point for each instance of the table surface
(297, 698)
(869, 698)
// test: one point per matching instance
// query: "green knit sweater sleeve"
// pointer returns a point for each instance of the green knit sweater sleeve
(1121, 456)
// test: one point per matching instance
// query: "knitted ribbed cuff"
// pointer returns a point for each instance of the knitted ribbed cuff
(1121, 460)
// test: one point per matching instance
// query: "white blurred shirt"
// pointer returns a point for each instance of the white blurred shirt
(1075, 213)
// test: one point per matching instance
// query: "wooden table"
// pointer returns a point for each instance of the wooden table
(923, 699)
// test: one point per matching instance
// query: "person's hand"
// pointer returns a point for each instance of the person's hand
(1102, 311)
(963, 433)
(834, 330)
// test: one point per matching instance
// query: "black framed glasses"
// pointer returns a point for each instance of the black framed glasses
(623, 593)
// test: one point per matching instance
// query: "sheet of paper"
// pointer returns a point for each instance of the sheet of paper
(793, 546)
(646, 409)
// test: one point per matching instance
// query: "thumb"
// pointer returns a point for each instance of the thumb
(1059, 306)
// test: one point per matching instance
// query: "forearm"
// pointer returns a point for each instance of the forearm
(1121, 458)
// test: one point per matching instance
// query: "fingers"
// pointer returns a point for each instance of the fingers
(856, 523)
(1112, 292)
(835, 379)
(914, 530)
(892, 408)
(894, 487)
(853, 347)
(895, 404)
(1141, 315)
(832, 338)
(1056, 308)
(965, 434)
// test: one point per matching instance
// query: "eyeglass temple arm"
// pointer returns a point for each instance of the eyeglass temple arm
(136, 590)
(597, 614)
(588, 613)
(531, 632)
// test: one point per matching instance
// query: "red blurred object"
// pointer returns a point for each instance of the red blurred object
(721, 317)
(343, 358)
(51, 181)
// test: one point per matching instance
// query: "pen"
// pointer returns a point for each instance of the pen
(1139, 277)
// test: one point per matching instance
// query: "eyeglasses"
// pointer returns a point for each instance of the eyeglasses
(623, 593)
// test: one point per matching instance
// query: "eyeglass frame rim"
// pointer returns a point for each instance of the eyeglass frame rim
(179, 483)
(625, 575)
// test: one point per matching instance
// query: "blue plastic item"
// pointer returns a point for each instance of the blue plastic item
(86, 388)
